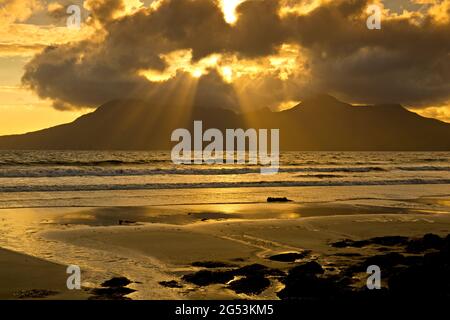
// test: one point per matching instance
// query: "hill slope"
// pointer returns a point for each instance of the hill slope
(319, 123)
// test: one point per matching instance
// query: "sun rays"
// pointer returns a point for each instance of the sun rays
(181, 61)
(245, 77)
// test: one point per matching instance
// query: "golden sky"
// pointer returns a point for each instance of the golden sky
(241, 54)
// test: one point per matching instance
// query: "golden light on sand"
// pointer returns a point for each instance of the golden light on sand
(229, 10)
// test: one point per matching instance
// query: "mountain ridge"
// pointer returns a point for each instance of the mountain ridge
(319, 123)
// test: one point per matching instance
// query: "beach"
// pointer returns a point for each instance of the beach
(270, 152)
(164, 249)
(26, 277)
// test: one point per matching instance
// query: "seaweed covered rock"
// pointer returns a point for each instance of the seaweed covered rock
(251, 285)
(206, 277)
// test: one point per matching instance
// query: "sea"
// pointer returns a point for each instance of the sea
(100, 178)
(49, 200)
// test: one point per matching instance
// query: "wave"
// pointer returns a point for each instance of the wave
(41, 172)
(80, 163)
(148, 186)
(425, 168)
(109, 171)
(434, 159)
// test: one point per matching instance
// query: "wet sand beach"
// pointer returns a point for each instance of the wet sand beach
(26, 277)
(208, 251)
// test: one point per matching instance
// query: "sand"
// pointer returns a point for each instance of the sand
(160, 243)
(246, 242)
(22, 275)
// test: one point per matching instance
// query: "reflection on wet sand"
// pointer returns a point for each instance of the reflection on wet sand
(157, 246)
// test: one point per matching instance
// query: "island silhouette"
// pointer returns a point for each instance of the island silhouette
(319, 123)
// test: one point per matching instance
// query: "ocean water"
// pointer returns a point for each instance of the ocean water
(43, 194)
(48, 173)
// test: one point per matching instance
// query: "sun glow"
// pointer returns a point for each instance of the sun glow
(284, 65)
(181, 60)
(197, 73)
(229, 10)
(301, 7)
(227, 74)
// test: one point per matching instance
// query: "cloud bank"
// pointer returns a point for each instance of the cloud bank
(277, 51)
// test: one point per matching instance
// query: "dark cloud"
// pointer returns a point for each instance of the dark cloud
(407, 61)
(212, 91)
(259, 29)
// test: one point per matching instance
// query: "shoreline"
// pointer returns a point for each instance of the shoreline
(157, 247)
(167, 259)
(202, 196)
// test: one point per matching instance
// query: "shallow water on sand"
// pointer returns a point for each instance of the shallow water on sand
(165, 230)
(136, 214)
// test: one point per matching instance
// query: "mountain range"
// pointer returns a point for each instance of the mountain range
(320, 123)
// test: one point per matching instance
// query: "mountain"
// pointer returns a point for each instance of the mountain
(319, 123)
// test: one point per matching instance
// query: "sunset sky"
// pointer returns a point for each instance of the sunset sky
(237, 54)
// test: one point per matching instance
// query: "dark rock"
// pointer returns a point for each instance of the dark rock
(428, 241)
(425, 281)
(447, 239)
(34, 294)
(302, 282)
(126, 222)
(350, 243)
(206, 277)
(311, 267)
(342, 281)
(441, 258)
(289, 257)
(308, 282)
(257, 269)
(385, 261)
(252, 285)
(307, 286)
(348, 254)
(413, 260)
(113, 289)
(389, 241)
(365, 295)
(170, 284)
(382, 241)
(433, 241)
(116, 282)
(415, 246)
(284, 199)
(111, 293)
(412, 277)
(251, 269)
